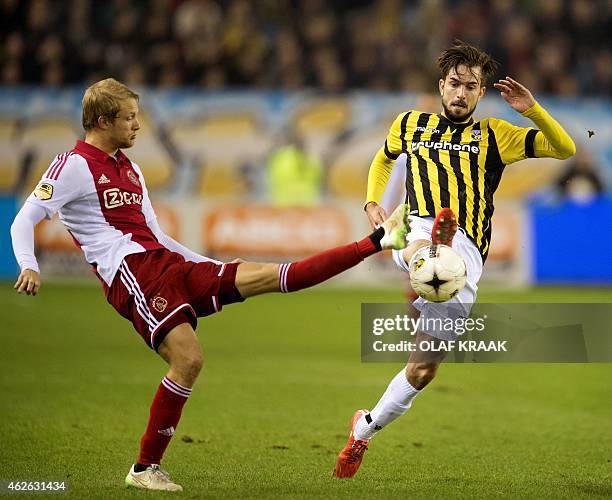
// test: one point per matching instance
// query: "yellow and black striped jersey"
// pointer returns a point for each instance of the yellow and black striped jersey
(456, 166)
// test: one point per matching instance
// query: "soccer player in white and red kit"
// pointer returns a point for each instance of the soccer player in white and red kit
(150, 279)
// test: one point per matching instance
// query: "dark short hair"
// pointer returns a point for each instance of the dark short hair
(463, 53)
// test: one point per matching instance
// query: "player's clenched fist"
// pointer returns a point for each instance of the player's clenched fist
(28, 282)
(376, 214)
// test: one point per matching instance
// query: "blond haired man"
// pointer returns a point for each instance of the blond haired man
(150, 279)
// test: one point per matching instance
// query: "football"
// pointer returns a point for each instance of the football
(437, 273)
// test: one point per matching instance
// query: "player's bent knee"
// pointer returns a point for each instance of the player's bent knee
(187, 366)
(193, 363)
(421, 374)
(181, 350)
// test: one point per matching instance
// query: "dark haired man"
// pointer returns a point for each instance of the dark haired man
(453, 166)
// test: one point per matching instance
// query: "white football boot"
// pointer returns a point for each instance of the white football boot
(152, 478)
(397, 227)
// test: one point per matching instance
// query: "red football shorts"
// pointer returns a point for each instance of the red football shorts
(158, 290)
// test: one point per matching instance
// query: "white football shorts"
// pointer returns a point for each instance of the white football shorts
(460, 305)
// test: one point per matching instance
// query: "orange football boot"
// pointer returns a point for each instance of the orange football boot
(351, 456)
(444, 228)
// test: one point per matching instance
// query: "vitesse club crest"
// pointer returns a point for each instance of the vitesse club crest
(476, 135)
(132, 177)
(44, 191)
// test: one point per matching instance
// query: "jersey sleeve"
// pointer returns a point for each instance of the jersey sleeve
(514, 143)
(147, 206)
(59, 185)
(552, 141)
(382, 164)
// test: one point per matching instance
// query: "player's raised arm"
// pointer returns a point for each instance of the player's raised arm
(553, 141)
(380, 171)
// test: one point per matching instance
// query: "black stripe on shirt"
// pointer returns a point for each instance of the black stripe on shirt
(455, 163)
(475, 187)
(422, 163)
(434, 156)
(389, 154)
(410, 193)
(529, 141)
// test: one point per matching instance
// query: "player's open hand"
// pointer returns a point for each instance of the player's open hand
(28, 282)
(376, 214)
(516, 95)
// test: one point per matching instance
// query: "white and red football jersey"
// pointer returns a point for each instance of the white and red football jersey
(102, 201)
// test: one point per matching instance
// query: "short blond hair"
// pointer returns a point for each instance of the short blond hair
(104, 98)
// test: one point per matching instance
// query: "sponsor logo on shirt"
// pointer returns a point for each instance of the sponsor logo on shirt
(44, 191)
(448, 146)
(427, 129)
(114, 198)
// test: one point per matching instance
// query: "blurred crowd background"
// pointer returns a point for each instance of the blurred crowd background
(553, 46)
(251, 125)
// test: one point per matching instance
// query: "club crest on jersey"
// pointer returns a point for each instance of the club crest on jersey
(159, 303)
(132, 177)
(44, 191)
(476, 135)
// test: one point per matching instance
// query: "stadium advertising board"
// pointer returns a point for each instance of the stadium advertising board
(273, 231)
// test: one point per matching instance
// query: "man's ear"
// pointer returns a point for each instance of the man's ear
(103, 122)
(441, 86)
(483, 89)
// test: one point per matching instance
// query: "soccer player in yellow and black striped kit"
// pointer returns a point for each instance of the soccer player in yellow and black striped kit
(454, 164)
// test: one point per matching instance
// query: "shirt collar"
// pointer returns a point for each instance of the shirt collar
(454, 125)
(96, 153)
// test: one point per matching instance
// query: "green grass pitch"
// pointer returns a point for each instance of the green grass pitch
(270, 412)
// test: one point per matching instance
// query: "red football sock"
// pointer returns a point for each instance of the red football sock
(318, 268)
(164, 417)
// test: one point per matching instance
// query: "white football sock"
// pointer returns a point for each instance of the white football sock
(393, 404)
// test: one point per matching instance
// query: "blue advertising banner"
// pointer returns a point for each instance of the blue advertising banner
(8, 210)
(572, 241)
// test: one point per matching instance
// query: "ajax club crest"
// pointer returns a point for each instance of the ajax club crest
(132, 177)
(159, 303)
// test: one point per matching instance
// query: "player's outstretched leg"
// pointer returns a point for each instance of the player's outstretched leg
(444, 228)
(181, 350)
(254, 278)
